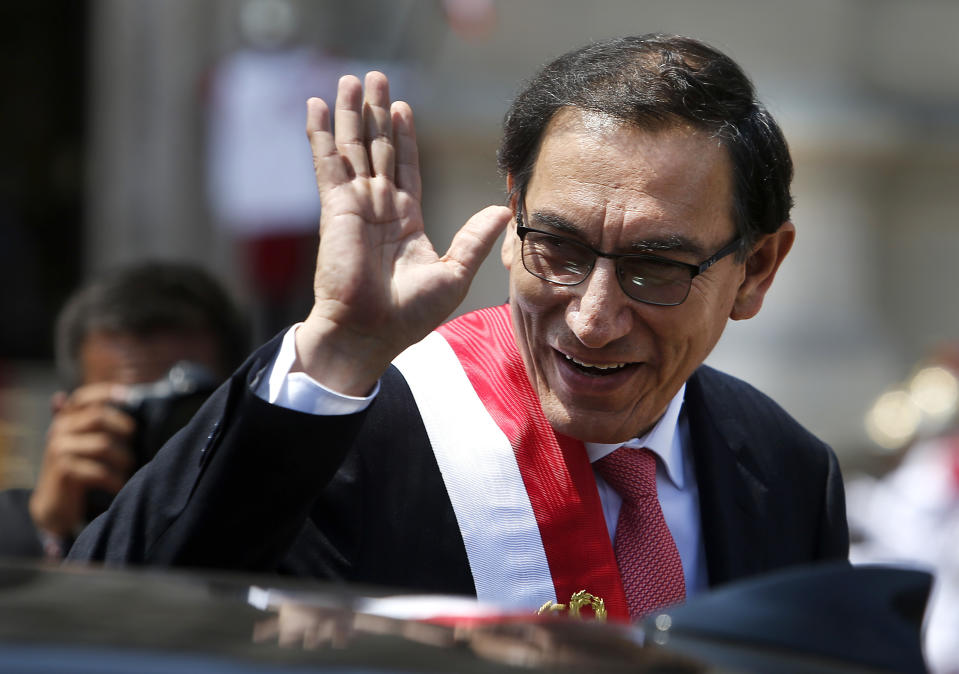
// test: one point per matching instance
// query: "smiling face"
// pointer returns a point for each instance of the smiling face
(603, 365)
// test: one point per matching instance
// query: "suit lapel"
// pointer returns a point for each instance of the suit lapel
(733, 492)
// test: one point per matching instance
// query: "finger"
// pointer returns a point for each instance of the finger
(266, 630)
(319, 634)
(348, 125)
(377, 125)
(407, 154)
(95, 475)
(341, 634)
(103, 417)
(328, 165)
(58, 401)
(95, 394)
(473, 242)
(99, 448)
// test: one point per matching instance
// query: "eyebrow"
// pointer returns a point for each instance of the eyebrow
(668, 243)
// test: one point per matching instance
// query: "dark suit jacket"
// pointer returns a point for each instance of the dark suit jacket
(18, 535)
(254, 487)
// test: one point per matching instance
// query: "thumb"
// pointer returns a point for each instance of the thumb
(57, 401)
(475, 239)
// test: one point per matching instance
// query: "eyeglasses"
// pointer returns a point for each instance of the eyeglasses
(646, 278)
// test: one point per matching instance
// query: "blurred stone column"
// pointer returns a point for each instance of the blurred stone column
(146, 133)
(821, 335)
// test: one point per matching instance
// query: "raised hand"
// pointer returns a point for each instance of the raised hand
(88, 447)
(379, 285)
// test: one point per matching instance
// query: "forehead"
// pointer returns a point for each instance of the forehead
(672, 181)
(124, 358)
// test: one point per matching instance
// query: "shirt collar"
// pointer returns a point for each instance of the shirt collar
(663, 440)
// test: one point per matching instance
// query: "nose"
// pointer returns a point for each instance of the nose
(599, 311)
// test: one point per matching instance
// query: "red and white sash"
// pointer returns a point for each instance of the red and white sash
(524, 497)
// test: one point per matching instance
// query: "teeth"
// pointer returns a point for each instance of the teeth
(606, 366)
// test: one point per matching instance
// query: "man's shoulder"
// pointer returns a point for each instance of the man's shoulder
(713, 382)
(728, 390)
(742, 411)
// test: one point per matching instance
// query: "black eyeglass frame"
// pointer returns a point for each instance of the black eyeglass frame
(694, 269)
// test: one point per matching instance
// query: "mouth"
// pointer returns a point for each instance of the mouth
(597, 369)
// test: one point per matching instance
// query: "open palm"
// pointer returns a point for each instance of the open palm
(379, 285)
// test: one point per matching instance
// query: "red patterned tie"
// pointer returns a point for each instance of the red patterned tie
(646, 553)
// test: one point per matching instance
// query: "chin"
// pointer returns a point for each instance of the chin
(597, 430)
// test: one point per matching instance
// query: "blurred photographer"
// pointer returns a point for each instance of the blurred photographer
(137, 353)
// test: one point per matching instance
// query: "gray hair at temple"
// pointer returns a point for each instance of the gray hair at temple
(655, 82)
(146, 299)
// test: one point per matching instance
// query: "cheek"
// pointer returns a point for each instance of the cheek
(538, 314)
(533, 295)
(715, 293)
(687, 336)
(703, 316)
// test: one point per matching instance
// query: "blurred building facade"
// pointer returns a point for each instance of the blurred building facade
(865, 90)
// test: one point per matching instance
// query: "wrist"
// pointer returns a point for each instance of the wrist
(338, 360)
(54, 545)
(46, 517)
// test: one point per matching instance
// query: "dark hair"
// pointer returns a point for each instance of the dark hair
(655, 82)
(145, 299)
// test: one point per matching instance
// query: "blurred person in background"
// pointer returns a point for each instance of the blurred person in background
(259, 182)
(136, 351)
(568, 440)
(908, 514)
(258, 175)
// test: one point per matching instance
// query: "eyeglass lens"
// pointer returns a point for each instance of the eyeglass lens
(565, 262)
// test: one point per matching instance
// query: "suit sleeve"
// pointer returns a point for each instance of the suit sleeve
(231, 490)
(834, 531)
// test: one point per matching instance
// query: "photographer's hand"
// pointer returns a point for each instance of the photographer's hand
(88, 447)
(379, 285)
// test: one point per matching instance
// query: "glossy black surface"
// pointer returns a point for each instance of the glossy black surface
(832, 618)
(74, 619)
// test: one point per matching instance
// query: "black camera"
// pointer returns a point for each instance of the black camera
(160, 409)
(163, 407)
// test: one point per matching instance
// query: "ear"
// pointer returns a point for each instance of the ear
(510, 240)
(761, 266)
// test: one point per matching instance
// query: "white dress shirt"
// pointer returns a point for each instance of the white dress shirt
(668, 439)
